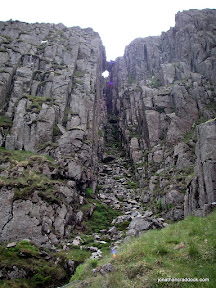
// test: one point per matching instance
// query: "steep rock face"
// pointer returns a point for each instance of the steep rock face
(160, 90)
(51, 100)
(191, 41)
(201, 193)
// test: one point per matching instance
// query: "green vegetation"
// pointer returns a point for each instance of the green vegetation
(65, 117)
(123, 226)
(22, 155)
(41, 76)
(159, 205)
(89, 192)
(57, 66)
(191, 135)
(36, 102)
(134, 135)
(100, 219)
(99, 187)
(140, 164)
(92, 263)
(101, 133)
(176, 64)
(154, 83)
(178, 178)
(42, 83)
(132, 185)
(3, 71)
(7, 40)
(131, 80)
(78, 255)
(211, 106)
(186, 249)
(56, 131)
(5, 122)
(78, 74)
(160, 109)
(39, 272)
(28, 181)
(3, 50)
(50, 145)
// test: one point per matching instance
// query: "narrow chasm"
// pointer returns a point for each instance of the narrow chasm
(90, 161)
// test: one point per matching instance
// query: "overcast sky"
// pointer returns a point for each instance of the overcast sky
(117, 21)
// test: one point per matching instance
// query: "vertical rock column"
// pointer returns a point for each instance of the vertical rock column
(201, 192)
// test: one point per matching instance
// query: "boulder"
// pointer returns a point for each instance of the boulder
(139, 224)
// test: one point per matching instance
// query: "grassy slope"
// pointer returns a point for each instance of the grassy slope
(39, 271)
(140, 262)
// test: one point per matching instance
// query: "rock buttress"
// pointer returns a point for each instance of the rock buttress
(162, 88)
(51, 97)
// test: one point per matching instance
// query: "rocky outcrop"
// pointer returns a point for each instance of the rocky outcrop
(201, 193)
(52, 103)
(51, 100)
(34, 201)
(161, 89)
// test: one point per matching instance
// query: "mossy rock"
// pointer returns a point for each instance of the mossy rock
(39, 272)
(36, 102)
